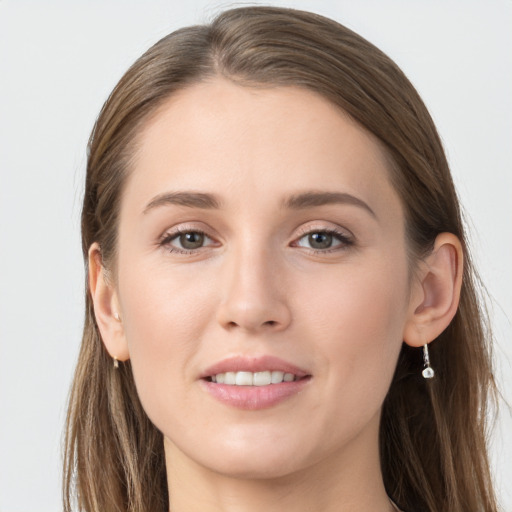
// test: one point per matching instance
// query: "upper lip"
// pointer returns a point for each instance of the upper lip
(253, 364)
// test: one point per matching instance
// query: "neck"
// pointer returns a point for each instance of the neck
(343, 482)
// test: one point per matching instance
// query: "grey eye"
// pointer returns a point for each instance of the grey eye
(186, 242)
(320, 240)
(324, 240)
(191, 240)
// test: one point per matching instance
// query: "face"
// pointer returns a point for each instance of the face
(262, 279)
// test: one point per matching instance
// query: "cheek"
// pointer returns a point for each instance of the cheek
(358, 324)
(163, 308)
(165, 319)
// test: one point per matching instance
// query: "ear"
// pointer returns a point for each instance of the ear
(106, 306)
(435, 293)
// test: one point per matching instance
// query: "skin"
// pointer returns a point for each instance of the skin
(257, 286)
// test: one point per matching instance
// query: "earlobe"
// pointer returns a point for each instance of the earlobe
(435, 295)
(106, 306)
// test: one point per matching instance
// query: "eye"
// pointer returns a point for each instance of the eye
(324, 240)
(186, 241)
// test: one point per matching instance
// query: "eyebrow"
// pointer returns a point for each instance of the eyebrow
(312, 199)
(300, 201)
(189, 199)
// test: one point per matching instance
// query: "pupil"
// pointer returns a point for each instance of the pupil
(320, 240)
(191, 240)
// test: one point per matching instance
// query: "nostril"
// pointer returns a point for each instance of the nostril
(234, 314)
(270, 323)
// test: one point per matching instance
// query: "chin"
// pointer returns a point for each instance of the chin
(247, 457)
(256, 469)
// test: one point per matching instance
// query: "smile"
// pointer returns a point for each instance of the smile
(263, 378)
(254, 383)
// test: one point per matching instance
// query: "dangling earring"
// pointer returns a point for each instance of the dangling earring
(116, 363)
(427, 372)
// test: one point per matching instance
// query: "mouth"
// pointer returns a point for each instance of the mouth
(264, 378)
(254, 383)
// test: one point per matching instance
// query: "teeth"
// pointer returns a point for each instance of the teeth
(253, 379)
(230, 378)
(243, 379)
(262, 378)
(277, 377)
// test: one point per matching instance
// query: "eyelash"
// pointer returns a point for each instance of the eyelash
(346, 241)
(169, 237)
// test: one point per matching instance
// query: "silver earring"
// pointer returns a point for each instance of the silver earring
(427, 372)
(116, 363)
(117, 317)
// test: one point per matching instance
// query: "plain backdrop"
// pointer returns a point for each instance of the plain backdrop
(58, 62)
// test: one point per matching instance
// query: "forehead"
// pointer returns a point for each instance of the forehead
(218, 136)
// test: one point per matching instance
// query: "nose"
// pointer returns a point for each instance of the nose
(253, 293)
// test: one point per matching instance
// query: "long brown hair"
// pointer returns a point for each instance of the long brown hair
(433, 434)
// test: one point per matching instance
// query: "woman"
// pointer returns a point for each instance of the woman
(281, 307)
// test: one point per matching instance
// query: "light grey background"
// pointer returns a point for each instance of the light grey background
(58, 62)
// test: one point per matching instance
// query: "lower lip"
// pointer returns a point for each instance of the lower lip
(253, 398)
